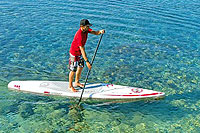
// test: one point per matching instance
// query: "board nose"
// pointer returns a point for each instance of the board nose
(10, 85)
(13, 85)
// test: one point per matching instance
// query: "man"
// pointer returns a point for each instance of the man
(78, 54)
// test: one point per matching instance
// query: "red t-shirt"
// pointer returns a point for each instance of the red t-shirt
(80, 39)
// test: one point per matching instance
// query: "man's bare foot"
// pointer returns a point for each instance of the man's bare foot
(73, 89)
(79, 84)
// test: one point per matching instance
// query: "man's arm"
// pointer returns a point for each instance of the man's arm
(97, 32)
(83, 53)
(85, 57)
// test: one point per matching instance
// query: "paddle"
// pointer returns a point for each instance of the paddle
(88, 73)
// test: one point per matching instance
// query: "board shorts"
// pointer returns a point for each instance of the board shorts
(75, 62)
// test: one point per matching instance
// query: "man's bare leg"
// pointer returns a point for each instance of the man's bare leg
(78, 76)
(71, 78)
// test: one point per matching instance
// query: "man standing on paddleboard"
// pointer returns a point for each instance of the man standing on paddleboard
(78, 54)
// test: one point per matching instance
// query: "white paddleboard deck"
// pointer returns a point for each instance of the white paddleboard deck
(92, 91)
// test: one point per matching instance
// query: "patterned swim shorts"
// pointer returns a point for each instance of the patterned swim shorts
(75, 62)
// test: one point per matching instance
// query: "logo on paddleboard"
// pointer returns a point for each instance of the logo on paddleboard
(17, 86)
(44, 84)
(137, 90)
(108, 85)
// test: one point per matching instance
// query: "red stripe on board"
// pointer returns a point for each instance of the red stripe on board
(152, 94)
(46, 92)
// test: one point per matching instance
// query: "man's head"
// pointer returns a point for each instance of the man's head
(85, 25)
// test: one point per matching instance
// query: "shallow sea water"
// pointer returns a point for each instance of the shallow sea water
(151, 44)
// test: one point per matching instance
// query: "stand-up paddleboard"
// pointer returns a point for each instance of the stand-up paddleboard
(92, 91)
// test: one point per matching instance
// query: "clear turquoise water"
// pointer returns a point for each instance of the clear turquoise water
(151, 44)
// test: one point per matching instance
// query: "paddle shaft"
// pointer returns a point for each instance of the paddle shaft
(88, 73)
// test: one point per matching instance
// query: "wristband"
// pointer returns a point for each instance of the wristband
(87, 61)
